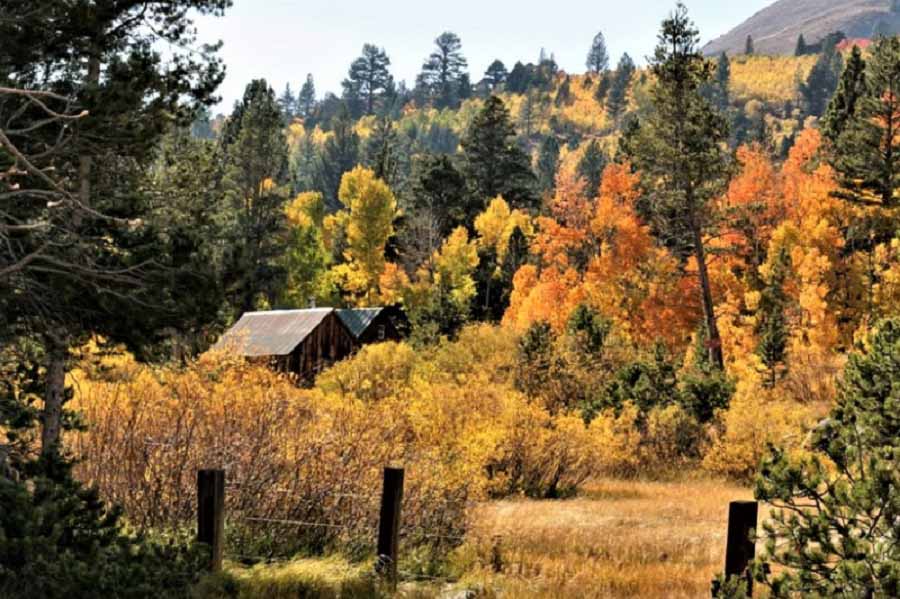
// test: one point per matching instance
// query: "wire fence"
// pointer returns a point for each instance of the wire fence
(380, 521)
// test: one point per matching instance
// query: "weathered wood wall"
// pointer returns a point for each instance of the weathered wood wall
(330, 342)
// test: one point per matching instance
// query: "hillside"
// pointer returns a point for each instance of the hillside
(775, 29)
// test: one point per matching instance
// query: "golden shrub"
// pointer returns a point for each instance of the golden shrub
(617, 440)
(289, 454)
(448, 415)
(756, 418)
(480, 350)
(672, 440)
(376, 372)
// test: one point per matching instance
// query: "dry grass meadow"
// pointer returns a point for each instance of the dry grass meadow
(617, 539)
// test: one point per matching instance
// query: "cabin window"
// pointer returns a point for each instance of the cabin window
(382, 332)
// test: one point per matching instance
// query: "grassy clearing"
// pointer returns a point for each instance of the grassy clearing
(329, 578)
(616, 539)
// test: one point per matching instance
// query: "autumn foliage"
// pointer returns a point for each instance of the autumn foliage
(451, 419)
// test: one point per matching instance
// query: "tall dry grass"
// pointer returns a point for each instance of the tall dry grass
(313, 459)
(618, 539)
(289, 455)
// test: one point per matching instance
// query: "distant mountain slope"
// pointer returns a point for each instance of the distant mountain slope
(775, 29)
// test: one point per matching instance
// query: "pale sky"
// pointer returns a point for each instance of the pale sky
(283, 40)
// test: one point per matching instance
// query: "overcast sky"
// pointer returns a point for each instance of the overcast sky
(283, 40)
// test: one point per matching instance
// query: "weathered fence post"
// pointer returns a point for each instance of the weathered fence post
(211, 513)
(741, 547)
(497, 554)
(389, 524)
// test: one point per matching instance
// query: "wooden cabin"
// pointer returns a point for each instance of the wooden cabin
(375, 325)
(306, 342)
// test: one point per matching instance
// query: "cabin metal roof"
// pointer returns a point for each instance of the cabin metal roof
(358, 320)
(273, 333)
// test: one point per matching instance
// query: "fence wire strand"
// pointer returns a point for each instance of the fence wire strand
(292, 522)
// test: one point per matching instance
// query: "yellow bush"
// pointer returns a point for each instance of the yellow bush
(289, 454)
(617, 440)
(448, 415)
(672, 440)
(376, 372)
(480, 350)
(756, 418)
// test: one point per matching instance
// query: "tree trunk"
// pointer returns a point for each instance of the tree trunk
(709, 308)
(54, 396)
(86, 161)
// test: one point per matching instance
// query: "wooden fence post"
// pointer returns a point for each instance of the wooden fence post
(741, 547)
(497, 554)
(211, 514)
(389, 525)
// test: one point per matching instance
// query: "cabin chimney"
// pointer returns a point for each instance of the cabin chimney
(312, 302)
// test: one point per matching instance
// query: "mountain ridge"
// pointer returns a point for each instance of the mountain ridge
(775, 29)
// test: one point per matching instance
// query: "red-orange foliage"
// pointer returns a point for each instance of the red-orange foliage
(603, 255)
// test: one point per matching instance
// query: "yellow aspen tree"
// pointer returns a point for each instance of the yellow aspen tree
(371, 209)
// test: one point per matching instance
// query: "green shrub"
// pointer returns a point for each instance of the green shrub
(58, 540)
(833, 529)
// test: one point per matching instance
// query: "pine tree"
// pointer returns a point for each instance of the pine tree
(648, 382)
(749, 49)
(591, 167)
(833, 530)
(617, 99)
(96, 242)
(831, 41)
(866, 154)
(306, 99)
(564, 93)
(772, 327)
(201, 128)
(496, 74)
(548, 162)
(678, 148)
(535, 359)
(604, 84)
(101, 252)
(546, 70)
(465, 87)
(722, 88)
(598, 57)
(288, 104)
(517, 252)
(843, 105)
(256, 168)
(439, 194)
(802, 49)
(494, 164)
(59, 539)
(527, 113)
(381, 152)
(443, 70)
(822, 82)
(519, 79)
(368, 79)
(339, 155)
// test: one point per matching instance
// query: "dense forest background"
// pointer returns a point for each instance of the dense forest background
(447, 147)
